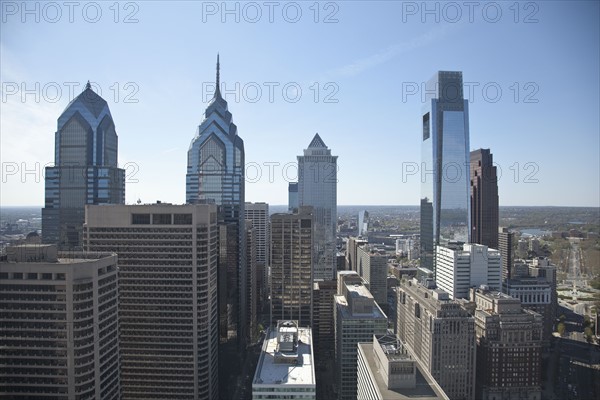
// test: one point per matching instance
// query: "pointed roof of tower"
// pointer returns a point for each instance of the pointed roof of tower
(317, 142)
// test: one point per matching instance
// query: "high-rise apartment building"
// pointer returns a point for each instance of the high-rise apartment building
(441, 334)
(292, 266)
(445, 209)
(317, 187)
(387, 370)
(168, 312)
(85, 169)
(215, 173)
(357, 318)
(286, 369)
(506, 241)
(509, 342)
(258, 213)
(59, 334)
(484, 199)
(459, 269)
(373, 268)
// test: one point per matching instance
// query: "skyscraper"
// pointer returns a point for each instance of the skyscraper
(363, 222)
(59, 335)
(168, 315)
(215, 173)
(509, 347)
(441, 333)
(484, 199)
(317, 187)
(458, 269)
(258, 213)
(292, 196)
(291, 266)
(357, 318)
(505, 243)
(85, 169)
(445, 214)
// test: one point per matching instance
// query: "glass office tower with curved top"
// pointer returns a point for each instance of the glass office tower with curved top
(85, 169)
(445, 191)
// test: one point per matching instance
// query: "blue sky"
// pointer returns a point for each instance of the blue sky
(354, 76)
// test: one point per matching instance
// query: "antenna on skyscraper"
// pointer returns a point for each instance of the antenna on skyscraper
(218, 80)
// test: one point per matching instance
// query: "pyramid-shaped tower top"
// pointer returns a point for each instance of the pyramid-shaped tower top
(317, 142)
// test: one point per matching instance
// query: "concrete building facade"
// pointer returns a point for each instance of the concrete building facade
(168, 312)
(473, 265)
(509, 343)
(441, 334)
(59, 327)
(292, 266)
(357, 319)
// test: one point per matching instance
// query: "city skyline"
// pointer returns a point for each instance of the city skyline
(533, 132)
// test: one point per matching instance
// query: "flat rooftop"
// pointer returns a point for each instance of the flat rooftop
(270, 373)
(426, 388)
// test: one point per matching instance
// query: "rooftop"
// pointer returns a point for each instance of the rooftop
(270, 372)
(426, 387)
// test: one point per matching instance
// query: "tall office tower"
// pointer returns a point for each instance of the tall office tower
(357, 319)
(85, 169)
(484, 199)
(387, 370)
(363, 222)
(258, 213)
(168, 314)
(509, 341)
(292, 266)
(317, 187)
(506, 241)
(59, 333)
(292, 196)
(352, 252)
(441, 333)
(373, 268)
(323, 292)
(251, 278)
(473, 265)
(285, 368)
(445, 214)
(215, 173)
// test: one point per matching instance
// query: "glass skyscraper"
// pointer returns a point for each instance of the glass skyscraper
(215, 174)
(317, 187)
(445, 190)
(85, 169)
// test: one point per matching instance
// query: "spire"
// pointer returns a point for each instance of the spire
(88, 85)
(218, 81)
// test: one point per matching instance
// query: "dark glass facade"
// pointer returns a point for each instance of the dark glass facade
(484, 199)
